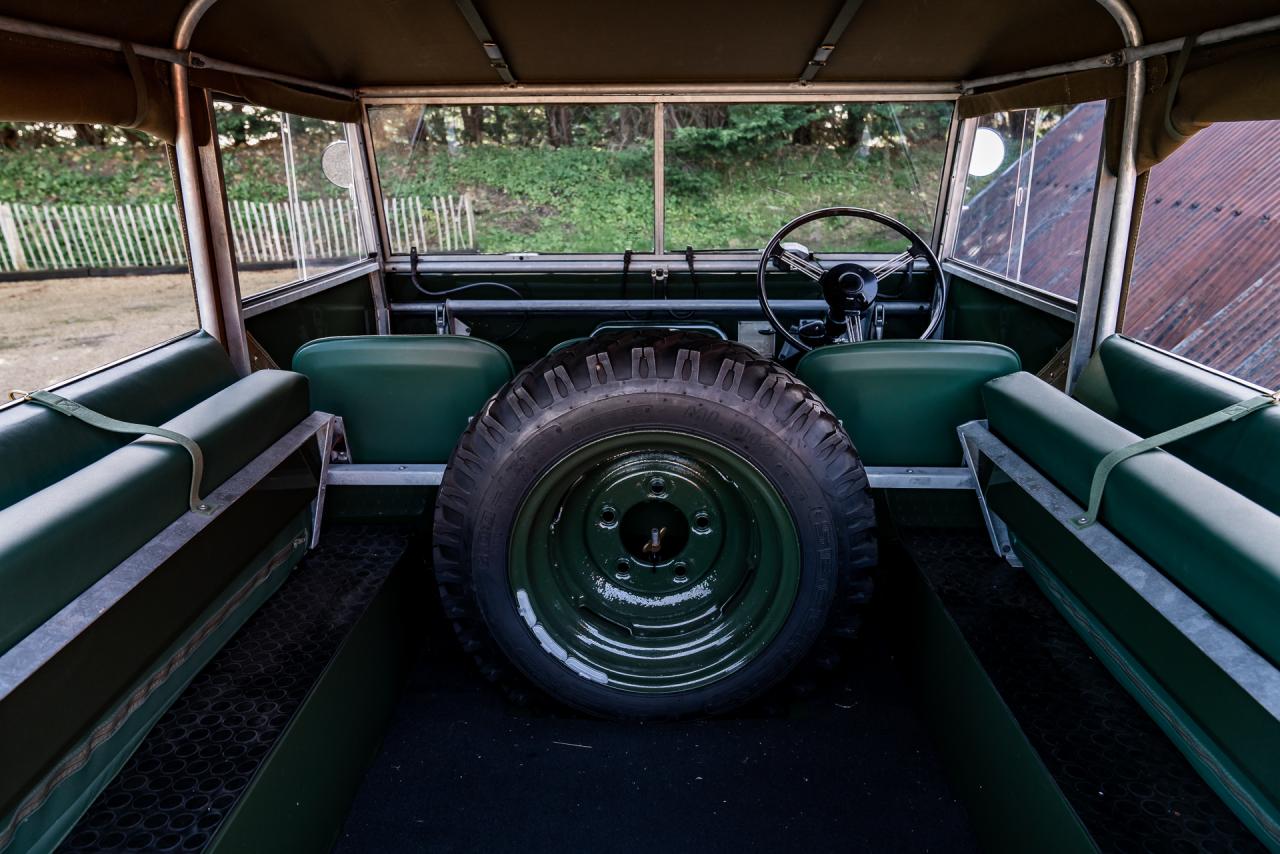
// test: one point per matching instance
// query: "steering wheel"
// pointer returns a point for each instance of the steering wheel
(850, 290)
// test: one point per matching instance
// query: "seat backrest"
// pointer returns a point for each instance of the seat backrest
(40, 447)
(403, 398)
(1147, 391)
(901, 401)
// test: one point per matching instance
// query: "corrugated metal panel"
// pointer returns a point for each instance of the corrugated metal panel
(1206, 277)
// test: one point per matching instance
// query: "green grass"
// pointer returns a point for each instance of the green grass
(541, 199)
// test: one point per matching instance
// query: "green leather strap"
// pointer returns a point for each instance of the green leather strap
(1234, 412)
(66, 406)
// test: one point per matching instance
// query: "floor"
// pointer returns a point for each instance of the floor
(187, 776)
(847, 768)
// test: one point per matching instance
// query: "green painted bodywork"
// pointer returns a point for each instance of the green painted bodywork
(345, 309)
(901, 401)
(1012, 798)
(714, 596)
(298, 800)
(403, 398)
(975, 313)
(527, 338)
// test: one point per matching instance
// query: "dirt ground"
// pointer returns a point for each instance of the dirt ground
(53, 329)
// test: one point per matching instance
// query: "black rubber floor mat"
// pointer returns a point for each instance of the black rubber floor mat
(1130, 786)
(848, 766)
(185, 778)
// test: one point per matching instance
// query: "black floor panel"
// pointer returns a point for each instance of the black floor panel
(185, 778)
(847, 768)
(1130, 786)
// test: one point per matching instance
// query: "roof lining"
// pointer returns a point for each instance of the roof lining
(644, 92)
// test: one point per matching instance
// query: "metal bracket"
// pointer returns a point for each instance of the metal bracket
(996, 528)
(828, 45)
(920, 477)
(660, 275)
(497, 61)
(331, 441)
(442, 319)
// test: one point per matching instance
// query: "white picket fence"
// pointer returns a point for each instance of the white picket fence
(67, 237)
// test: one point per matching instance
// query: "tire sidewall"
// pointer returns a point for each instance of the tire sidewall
(582, 418)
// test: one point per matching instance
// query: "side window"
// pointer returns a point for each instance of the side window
(93, 266)
(289, 220)
(1206, 273)
(516, 178)
(1028, 195)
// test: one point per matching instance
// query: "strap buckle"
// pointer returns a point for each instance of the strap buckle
(19, 394)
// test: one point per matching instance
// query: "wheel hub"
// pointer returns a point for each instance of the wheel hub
(654, 561)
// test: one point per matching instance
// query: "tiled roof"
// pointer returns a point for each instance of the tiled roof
(1206, 277)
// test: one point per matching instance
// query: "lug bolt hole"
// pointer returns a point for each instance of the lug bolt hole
(681, 573)
(702, 522)
(623, 570)
(657, 486)
(608, 516)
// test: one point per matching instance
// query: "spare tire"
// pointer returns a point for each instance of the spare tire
(651, 525)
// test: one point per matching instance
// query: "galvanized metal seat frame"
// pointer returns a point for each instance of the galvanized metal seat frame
(1255, 675)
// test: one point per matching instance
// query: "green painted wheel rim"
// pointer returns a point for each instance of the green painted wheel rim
(709, 593)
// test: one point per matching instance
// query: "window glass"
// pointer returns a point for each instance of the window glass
(92, 261)
(1206, 274)
(503, 179)
(736, 173)
(289, 220)
(1028, 195)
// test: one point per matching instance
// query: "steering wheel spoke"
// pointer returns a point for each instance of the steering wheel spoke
(896, 264)
(800, 265)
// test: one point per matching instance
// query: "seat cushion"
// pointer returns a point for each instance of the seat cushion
(1215, 543)
(40, 447)
(1147, 391)
(901, 401)
(403, 398)
(62, 539)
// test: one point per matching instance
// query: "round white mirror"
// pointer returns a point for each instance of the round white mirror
(988, 153)
(336, 164)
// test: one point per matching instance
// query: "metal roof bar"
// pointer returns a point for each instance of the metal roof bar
(491, 49)
(189, 59)
(829, 41)
(1128, 55)
(647, 93)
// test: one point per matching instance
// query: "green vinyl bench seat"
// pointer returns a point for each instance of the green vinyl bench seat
(40, 447)
(1147, 391)
(901, 401)
(1198, 513)
(1215, 543)
(84, 503)
(402, 398)
(61, 539)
